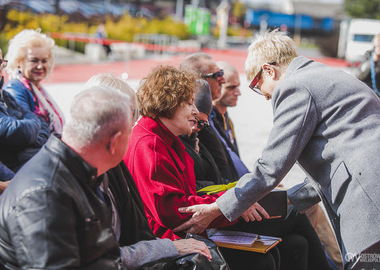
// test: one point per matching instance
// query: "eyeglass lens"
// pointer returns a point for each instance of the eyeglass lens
(202, 124)
(255, 81)
(3, 63)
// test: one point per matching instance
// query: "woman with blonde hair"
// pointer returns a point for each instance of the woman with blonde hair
(30, 60)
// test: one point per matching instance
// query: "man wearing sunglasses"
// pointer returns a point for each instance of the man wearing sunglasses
(205, 66)
(327, 121)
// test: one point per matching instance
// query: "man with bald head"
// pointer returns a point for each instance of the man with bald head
(222, 122)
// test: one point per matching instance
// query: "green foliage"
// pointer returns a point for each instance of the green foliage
(234, 31)
(363, 8)
(127, 27)
(123, 28)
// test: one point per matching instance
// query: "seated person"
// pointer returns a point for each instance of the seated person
(205, 168)
(30, 60)
(164, 172)
(369, 69)
(138, 245)
(52, 214)
(22, 133)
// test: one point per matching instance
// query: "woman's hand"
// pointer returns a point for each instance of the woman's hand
(185, 246)
(203, 215)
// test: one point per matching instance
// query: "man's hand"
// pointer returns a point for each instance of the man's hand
(253, 213)
(185, 246)
(203, 215)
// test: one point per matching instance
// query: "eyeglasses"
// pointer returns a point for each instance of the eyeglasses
(202, 123)
(256, 79)
(214, 75)
(3, 63)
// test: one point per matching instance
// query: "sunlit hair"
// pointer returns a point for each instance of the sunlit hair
(164, 90)
(19, 45)
(97, 113)
(272, 46)
(197, 62)
(111, 80)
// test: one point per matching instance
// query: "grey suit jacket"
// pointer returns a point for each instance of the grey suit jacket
(329, 122)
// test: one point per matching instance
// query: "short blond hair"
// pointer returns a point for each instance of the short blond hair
(19, 45)
(164, 90)
(272, 46)
(111, 80)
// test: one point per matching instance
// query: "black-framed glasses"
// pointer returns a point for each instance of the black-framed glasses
(3, 63)
(214, 75)
(202, 123)
(256, 79)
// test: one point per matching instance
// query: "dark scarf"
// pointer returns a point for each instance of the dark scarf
(134, 226)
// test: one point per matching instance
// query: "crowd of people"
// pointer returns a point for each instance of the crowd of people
(115, 187)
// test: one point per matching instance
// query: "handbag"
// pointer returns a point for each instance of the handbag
(192, 261)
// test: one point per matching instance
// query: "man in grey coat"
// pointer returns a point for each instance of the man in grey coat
(328, 122)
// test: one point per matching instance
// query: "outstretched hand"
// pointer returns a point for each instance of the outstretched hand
(253, 213)
(185, 246)
(203, 215)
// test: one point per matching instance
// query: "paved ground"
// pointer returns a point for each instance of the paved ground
(252, 117)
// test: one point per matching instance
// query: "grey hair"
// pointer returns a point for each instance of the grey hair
(111, 80)
(272, 46)
(97, 113)
(196, 62)
(19, 44)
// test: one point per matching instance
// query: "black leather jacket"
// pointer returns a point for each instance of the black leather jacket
(51, 218)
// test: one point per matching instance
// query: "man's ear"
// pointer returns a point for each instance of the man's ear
(269, 70)
(113, 142)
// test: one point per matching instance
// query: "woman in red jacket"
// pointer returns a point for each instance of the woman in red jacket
(164, 175)
(161, 168)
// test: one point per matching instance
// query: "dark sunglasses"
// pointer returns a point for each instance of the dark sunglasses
(202, 124)
(3, 63)
(256, 79)
(214, 75)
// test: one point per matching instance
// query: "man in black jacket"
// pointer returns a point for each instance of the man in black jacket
(52, 213)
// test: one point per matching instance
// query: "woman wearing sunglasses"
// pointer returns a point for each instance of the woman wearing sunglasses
(162, 170)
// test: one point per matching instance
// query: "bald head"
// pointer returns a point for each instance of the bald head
(230, 90)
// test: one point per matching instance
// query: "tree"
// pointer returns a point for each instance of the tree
(363, 8)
